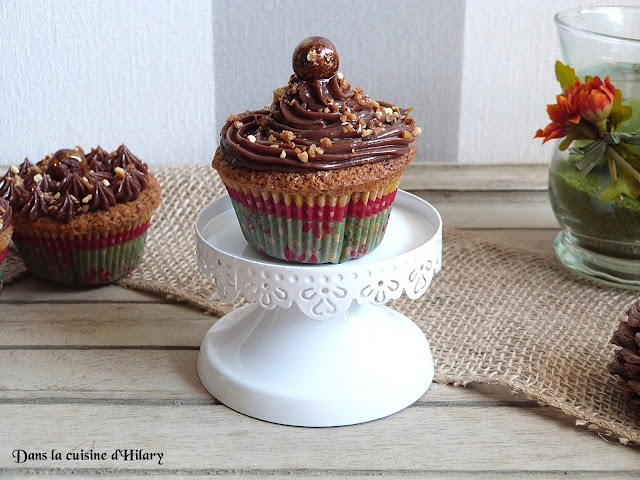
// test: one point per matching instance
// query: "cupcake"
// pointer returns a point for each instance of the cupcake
(81, 220)
(313, 177)
(5, 235)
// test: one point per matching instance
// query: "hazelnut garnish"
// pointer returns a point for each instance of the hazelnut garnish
(64, 161)
(315, 58)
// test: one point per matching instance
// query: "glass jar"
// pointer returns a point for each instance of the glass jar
(600, 237)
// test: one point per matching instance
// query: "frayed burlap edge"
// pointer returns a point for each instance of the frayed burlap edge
(494, 314)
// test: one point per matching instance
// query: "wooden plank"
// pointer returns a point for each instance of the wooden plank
(475, 176)
(415, 441)
(495, 209)
(30, 289)
(252, 474)
(147, 375)
(156, 377)
(354, 475)
(114, 324)
(468, 176)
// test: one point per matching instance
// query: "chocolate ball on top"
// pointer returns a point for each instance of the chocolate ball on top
(64, 161)
(315, 58)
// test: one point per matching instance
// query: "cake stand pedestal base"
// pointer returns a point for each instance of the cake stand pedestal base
(281, 366)
(317, 347)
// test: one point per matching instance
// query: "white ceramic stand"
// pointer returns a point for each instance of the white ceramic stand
(317, 348)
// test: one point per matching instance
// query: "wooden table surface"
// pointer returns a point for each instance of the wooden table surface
(110, 370)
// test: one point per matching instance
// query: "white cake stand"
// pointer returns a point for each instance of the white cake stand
(317, 347)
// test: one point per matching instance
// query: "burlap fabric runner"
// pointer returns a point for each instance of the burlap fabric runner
(494, 314)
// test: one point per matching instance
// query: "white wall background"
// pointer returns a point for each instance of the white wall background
(88, 72)
(162, 75)
(510, 48)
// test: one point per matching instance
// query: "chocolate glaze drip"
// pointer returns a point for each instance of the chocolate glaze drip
(317, 124)
(5, 215)
(67, 183)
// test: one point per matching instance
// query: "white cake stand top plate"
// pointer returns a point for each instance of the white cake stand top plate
(405, 260)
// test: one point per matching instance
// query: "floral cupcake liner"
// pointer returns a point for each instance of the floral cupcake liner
(84, 260)
(5, 238)
(314, 228)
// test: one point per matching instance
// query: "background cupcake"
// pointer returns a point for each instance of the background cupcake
(312, 178)
(5, 235)
(81, 220)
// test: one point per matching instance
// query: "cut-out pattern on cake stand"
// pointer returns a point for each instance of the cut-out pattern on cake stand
(316, 346)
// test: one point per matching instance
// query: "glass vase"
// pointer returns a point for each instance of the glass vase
(600, 237)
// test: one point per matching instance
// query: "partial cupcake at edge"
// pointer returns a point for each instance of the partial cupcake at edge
(6, 229)
(81, 219)
(312, 177)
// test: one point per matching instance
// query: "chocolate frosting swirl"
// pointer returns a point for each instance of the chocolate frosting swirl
(96, 159)
(127, 188)
(102, 198)
(35, 206)
(66, 207)
(12, 189)
(68, 183)
(317, 124)
(5, 215)
(75, 185)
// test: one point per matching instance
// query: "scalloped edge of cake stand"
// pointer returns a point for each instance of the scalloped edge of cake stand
(352, 362)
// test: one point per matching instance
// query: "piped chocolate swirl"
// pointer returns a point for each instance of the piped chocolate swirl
(69, 183)
(317, 122)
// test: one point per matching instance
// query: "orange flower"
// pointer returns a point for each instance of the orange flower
(594, 99)
(563, 115)
(591, 100)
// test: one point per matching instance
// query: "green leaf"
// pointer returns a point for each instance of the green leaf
(619, 113)
(623, 184)
(633, 123)
(565, 74)
(572, 135)
(567, 141)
